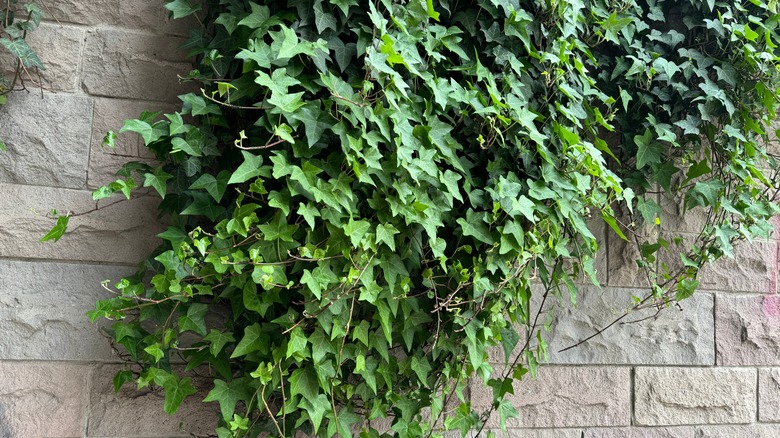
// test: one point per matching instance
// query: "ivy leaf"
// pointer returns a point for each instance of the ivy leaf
(158, 180)
(355, 230)
(475, 227)
(505, 412)
(278, 229)
(181, 8)
(215, 186)
(385, 233)
(253, 340)
(250, 168)
(685, 288)
(296, 346)
(194, 319)
(304, 381)
(648, 150)
(58, 230)
(323, 19)
(175, 392)
(422, 368)
(217, 341)
(19, 48)
(228, 394)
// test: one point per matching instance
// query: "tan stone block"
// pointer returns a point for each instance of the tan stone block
(753, 269)
(125, 64)
(680, 396)
(121, 233)
(42, 399)
(103, 167)
(110, 114)
(747, 330)
(140, 413)
(565, 397)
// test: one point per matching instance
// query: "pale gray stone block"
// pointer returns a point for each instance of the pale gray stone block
(622, 269)
(42, 399)
(650, 336)
(640, 432)
(533, 433)
(679, 396)
(747, 329)
(140, 413)
(47, 138)
(769, 395)
(124, 64)
(43, 309)
(120, 233)
(742, 431)
(110, 114)
(754, 269)
(565, 397)
(103, 167)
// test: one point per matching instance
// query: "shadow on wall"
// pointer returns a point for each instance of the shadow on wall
(5, 427)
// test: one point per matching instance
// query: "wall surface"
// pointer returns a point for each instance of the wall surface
(708, 370)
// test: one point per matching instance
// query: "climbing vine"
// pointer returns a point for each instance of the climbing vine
(366, 197)
(15, 22)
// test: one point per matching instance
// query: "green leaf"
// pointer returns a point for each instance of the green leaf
(685, 288)
(505, 412)
(217, 341)
(181, 8)
(155, 351)
(215, 186)
(158, 180)
(253, 340)
(385, 233)
(648, 150)
(304, 381)
(250, 168)
(356, 230)
(19, 48)
(57, 230)
(296, 346)
(228, 394)
(194, 319)
(175, 392)
(610, 220)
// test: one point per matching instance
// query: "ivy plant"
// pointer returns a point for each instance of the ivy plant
(15, 22)
(365, 198)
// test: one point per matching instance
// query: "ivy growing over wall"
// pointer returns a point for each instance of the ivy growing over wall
(15, 22)
(366, 197)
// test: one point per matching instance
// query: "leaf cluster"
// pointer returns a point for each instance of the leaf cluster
(366, 199)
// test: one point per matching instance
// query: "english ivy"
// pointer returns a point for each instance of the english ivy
(364, 197)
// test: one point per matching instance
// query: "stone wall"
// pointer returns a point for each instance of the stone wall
(710, 370)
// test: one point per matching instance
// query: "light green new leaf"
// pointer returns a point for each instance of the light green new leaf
(57, 230)
(181, 8)
(158, 180)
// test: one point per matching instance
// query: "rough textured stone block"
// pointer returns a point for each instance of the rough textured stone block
(746, 431)
(622, 269)
(140, 413)
(640, 432)
(125, 64)
(134, 14)
(47, 139)
(103, 167)
(43, 310)
(677, 396)
(648, 336)
(566, 397)
(754, 269)
(533, 433)
(42, 399)
(59, 47)
(769, 395)
(120, 233)
(747, 330)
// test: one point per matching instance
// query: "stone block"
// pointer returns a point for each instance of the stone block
(135, 14)
(125, 64)
(59, 47)
(753, 270)
(679, 396)
(769, 395)
(140, 413)
(747, 330)
(533, 433)
(43, 309)
(676, 219)
(103, 167)
(566, 397)
(47, 138)
(622, 269)
(640, 432)
(743, 431)
(663, 336)
(42, 399)
(123, 232)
